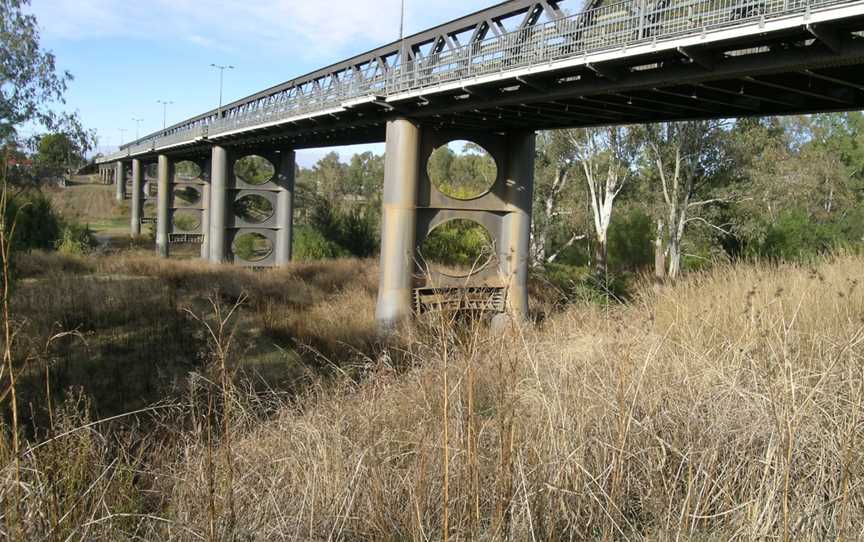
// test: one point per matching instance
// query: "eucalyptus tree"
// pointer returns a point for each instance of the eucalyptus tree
(684, 162)
(29, 80)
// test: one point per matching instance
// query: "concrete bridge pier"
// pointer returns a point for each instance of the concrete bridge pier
(398, 222)
(520, 196)
(205, 221)
(137, 209)
(218, 203)
(163, 187)
(285, 208)
(120, 181)
(414, 207)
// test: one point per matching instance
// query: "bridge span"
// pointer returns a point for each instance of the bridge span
(494, 77)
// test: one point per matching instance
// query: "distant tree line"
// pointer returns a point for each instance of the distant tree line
(660, 198)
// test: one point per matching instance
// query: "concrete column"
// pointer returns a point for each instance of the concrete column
(285, 208)
(120, 180)
(219, 175)
(520, 188)
(163, 228)
(137, 197)
(205, 221)
(399, 222)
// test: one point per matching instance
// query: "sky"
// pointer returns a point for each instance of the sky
(125, 55)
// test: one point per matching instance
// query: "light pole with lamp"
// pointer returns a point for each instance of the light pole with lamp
(164, 111)
(221, 82)
(137, 128)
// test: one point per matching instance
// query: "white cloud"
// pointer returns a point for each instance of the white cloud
(311, 28)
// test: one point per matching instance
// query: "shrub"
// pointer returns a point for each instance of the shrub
(37, 225)
(457, 243)
(796, 236)
(75, 239)
(354, 231)
(310, 244)
(631, 241)
(581, 285)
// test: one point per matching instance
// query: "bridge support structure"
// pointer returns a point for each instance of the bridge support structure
(206, 201)
(414, 207)
(241, 207)
(137, 207)
(120, 180)
(163, 226)
(106, 175)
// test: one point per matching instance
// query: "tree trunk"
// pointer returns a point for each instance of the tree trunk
(674, 253)
(601, 253)
(659, 256)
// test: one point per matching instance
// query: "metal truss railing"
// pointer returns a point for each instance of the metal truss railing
(609, 27)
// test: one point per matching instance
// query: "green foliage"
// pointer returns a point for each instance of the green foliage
(186, 221)
(462, 176)
(30, 81)
(190, 170)
(56, 152)
(252, 247)
(310, 245)
(75, 239)
(364, 176)
(458, 243)
(187, 195)
(796, 236)
(253, 208)
(631, 241)
(353, 230)
(579, 284)
(254, 169)
(37, 226)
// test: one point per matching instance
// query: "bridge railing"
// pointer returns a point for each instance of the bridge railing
(616, 26)
(609, 27)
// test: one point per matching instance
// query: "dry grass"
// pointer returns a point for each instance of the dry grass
(728, 407)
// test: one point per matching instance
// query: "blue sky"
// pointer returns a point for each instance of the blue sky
(127, 54)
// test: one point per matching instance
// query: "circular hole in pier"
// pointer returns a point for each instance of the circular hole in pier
(151, 170)
(255, 170)
(251, 247)
(187, 195)
(187, 222)
(462, 170)
(457, 248)
(187, 170)
(253, 208)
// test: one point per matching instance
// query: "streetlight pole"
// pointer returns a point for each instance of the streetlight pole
(122, 134)
(402, 22)
(221, 82)
(137, 128)
(164, 111)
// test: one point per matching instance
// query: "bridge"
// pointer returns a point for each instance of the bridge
(493, 77)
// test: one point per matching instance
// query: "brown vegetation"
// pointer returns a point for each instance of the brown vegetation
(727, 407)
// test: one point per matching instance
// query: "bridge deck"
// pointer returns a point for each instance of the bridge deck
(628, 62)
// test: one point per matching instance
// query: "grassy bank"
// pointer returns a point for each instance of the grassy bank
(728, 407)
